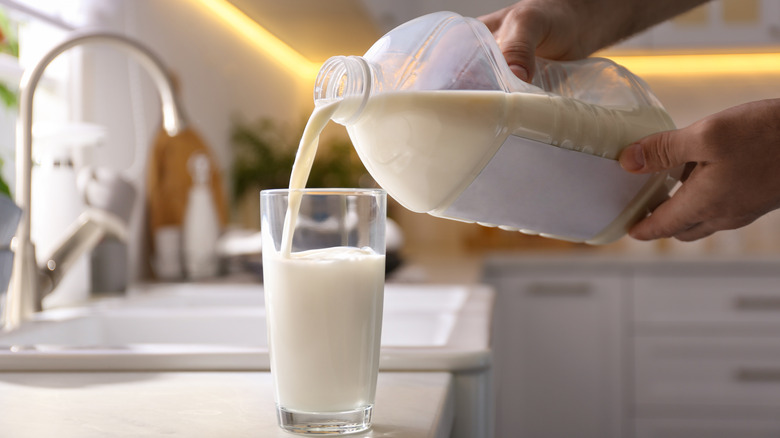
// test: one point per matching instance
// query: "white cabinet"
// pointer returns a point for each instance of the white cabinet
(724, 300)
(678, 374)
(735, 23)
(706, 346)
(718, 24)
(717, 428)
(605, 347)
(557, 351)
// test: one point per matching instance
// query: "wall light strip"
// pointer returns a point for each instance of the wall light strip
(263, 39)
(701, 64)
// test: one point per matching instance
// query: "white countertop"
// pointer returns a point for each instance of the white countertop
(198, 404)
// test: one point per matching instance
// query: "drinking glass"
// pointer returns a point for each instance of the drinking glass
(324, 289)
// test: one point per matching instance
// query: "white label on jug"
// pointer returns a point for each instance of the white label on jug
(531, 185)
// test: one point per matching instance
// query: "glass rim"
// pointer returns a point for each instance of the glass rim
(326, 191)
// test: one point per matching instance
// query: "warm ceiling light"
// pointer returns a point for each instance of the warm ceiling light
(263, 39)
(700, 64)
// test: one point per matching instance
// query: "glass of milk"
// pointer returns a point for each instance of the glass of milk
(324, 289)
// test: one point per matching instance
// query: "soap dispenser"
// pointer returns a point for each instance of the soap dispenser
(201, 227)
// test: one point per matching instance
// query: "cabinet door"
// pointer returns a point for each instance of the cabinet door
(723, 302)
(557, 355)
(722, 23)
(707, 428)
(685, 374)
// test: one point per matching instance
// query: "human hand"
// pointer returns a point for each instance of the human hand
(571, 29)
(732, 173)
(530, 28)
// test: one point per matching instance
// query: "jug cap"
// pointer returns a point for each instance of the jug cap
(346, 78)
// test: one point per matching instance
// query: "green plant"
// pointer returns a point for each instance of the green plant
(264, 152)
(9, 44)
(4, 189)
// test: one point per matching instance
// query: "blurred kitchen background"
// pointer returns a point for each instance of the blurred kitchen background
(245, 71)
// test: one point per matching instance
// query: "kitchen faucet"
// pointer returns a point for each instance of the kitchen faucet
(29, 282)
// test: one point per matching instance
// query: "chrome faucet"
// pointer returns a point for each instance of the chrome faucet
(29, 282)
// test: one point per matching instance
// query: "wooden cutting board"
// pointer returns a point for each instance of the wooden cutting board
(169, 181)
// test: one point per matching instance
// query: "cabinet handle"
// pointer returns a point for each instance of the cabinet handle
(757, 303)
(559, 289)
(758, 375)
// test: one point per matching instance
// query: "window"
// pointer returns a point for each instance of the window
(27, 34)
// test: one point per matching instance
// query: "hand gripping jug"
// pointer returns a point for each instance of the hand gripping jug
(443, 125)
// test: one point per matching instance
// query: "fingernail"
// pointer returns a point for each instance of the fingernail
(519, 71)
(632, 158)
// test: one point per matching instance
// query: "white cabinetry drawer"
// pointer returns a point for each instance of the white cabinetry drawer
(705, 302)
(702, 374)
(710, 428)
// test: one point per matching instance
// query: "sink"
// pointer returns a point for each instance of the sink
(187, 326)
(221, 327)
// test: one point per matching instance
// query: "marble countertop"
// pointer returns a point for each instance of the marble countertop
(198, 404)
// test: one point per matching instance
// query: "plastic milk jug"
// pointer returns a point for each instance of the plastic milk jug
(443, 125)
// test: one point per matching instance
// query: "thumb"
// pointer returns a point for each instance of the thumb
(656, 152)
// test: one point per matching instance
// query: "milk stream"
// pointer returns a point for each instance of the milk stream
(304, 158)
